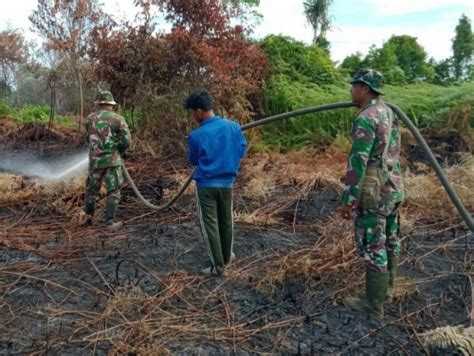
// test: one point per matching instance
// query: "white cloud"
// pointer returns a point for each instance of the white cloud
(15, 13)
(287, 17)
(284, 17)
(436, 39)
(402, 7)
(121, 9)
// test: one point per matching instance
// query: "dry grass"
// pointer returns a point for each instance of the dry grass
(7, 126)
(426, 197)
(270, 184)
(256, 218)
(263, 174)
(16, 189)
(187, 309)
(450, 340)
(134, 321)
(141, 323)
(330, 260)
(12, 189)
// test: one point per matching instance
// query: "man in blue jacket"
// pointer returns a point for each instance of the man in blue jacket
(216, 148)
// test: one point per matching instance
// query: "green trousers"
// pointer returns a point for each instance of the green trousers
(377, 237)
(217, 226)
(112, 177)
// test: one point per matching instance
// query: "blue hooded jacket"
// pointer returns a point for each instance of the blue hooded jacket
(216, 148)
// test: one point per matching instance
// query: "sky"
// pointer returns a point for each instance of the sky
(357, 24)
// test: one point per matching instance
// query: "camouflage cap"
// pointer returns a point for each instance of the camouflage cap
(105, 97)
(370, 77)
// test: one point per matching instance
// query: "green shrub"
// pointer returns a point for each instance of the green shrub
(34, 114)
(132, 121)
(39, 114)
(298, 61)
(283, 95)
(6, 110)
(426, 104)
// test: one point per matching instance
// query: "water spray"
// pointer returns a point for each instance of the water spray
(50, 170)
(78, 166)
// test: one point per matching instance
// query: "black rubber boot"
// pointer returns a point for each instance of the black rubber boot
(376, 285)
(110, 214)
(111, 211)
(89, 208)
(392, 271)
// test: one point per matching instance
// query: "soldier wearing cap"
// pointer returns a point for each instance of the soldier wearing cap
(374, 191)
(108, 137)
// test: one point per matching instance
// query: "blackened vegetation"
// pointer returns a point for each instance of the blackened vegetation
(67, 289)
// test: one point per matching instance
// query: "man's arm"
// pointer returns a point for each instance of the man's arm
(363, 138)
(193, 151)
(87, 127)
(243, 143)
(124, 137)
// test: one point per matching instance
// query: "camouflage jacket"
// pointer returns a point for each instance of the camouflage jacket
(107, 135)
(369, 138)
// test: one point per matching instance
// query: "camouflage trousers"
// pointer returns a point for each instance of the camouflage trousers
(377, 236)
(112, 177)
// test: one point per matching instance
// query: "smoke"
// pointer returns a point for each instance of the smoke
(55, 168)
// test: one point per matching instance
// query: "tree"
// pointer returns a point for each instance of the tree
(12, 53)
(352, 63)
(411, 57)
(239, 3)
(241, 9)
(66, 26)
(385, 60)
(31, 84)
(298, 61)
(152, 70)
(382, 59)
(395, 76)
(126, 61)
(443, 71)
(463, 48)
(317, 14)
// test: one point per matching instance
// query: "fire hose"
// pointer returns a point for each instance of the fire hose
(463, 212)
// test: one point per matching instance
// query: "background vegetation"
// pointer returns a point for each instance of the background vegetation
(150, 69)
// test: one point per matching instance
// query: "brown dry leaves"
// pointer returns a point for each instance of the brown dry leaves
(425, 196)
(265, 173)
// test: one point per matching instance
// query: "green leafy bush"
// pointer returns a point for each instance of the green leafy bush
(426, 104)
(39, 114)
(5, 109)
(298, 61)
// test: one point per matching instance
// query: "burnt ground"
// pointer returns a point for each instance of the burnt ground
(449, 147)
(56, 306)
(139, 291)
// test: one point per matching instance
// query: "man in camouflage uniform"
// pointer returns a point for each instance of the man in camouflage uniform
(374, 191)
(108, 137)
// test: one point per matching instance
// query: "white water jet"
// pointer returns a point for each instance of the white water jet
(59, 168)
(69, 171)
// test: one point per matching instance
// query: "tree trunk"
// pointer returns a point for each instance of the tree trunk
(17, 84)
(52, 87)
(132, 117)
(315, 33)
(81, 99)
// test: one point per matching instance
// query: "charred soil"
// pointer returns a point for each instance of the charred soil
(70, 289)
